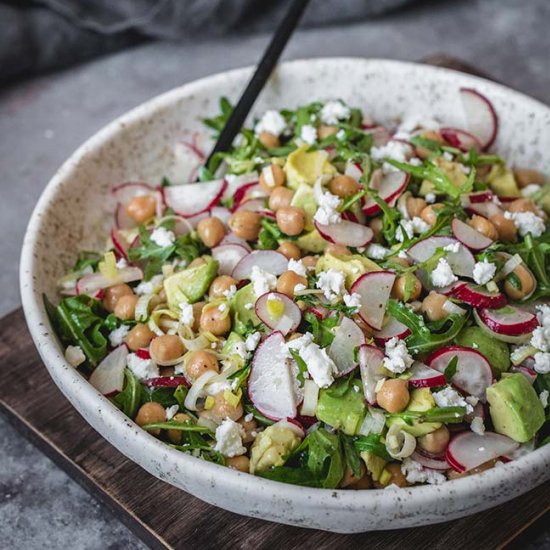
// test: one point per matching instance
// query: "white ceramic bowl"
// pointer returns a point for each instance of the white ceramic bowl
(138, 146)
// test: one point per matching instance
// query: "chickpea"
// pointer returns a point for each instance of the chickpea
(249, 426)
(324, 132)
(272, 176)
(432, 306)
(350, 478)
(175, 436)
(506, 228)
(200, 362)
(290, 250)
(221, 284)
(288, 281)
(166, 348)
(397, 476)
(526, 283)
(526, 176)
(269, 140)
(246, 224)
(393, 396)
(429, 214)
(280, 196)
(113, 294)
(523, 205)
(364, 483)
(310, 261)
(435, 442)
(139, 337)
(338, 250)
(150, 413)
(211, 231)
(162, 296)
(196, 262)
(142, 208)
(240, 463)
(400, 287)
(222, 410)
(125, 308)
(215, 321)
(376, 224)
(291, 220)
(343, 186)
(484, 226)
(403, 262)
(197, 312)
(415, 206)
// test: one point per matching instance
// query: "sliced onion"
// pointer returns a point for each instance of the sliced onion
(373, 423)
(195, 390)
(519, 355)
(399, 443)
(142, 307)
(207, 423)
(452, 309)
(510, 265)
(291, 426)
(196, 344)
(311, 397)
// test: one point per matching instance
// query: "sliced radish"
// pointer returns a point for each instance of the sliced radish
(268, 260)
(389, 188)
(231, 238)
(478, 296)
(476, 197)
(272, 384)
(461, 262)
(380, 135)
(221, 212)
(347, 337)
(188, 156)
(167, 382)
(125, 192)
(469, 236)
(196, 218)
(391, 329)
(460, 139)
(374, 289)
(122, 220)
(481, 117)
(143, 353)
(484, 209)
(425, 377)
(530, 374)
(371, 366)
(194, 198)
(473, 372)
(518, 339)
(319, 311)
(89, 284)
(353, 170)
(228, 256)
(120, 244)
(509, 320)
(346, 233)
(278, 312)
(238, 185)
(108, 376)
(253, 205)
(429, 462)
(469, 450)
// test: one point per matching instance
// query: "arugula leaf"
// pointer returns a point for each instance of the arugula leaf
(302, 367)
(218, 122)
(450, 369)
(164, 396)
(180, 393)
(351, 455)
(86, 259)
(258, 416)
(447, 415)
(322, 329)
(129, 399)
(372, 444)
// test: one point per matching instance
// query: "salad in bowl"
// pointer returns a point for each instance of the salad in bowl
(331, 303)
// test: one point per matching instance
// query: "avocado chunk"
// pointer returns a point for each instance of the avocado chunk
(502, 182)
(304, 198)
(375, 464)
(243, 314)
(230, 345)
(495, 351)
(516, 410)
(312, 242)
(303, 166)
(351, 266)
(342, 407)
(272, 447)
(191, 284)
(421, 400)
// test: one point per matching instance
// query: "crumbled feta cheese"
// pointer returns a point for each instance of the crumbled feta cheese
(222, 307)
(186, 314)
(229, 438)
(543, 314)
(308, 133)
(248, 417)
(397, 358)
(530, 190)
(449, 397)
(527, 222)
(230, 292)
(163, 237)
(447, 156)
(419, 226)
(477, 426)
(542, 362)
(328, 203)
(141, 368)
(543, 396)
(540, 338)
(377, 251)
(172, 411)
(74, 356)
(319, 365)
(248, 306)
(403, 255)
(464, 169)
(416, 473)
(217, 387)
(333, 111)
(272, 122)
(252, 341)
(405, 230)
(262, 281)
(331, 282)
(116, 337)
(240, 350)
(472, 399)
(395, 150)
(299, 287)
(148, 287)
(453, 247)
(417, 119)
(352, 300)
(297, 266)
(121, 263)
(443, 275)
(415, 161)
(430, 198)
(484, 272)
(340, 135)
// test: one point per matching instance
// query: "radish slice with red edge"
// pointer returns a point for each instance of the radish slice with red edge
(469, 236)
(193, 198)
(429, 462)
(221, 212)
(353, 170)
(195, 219)
(273, 383)
(231, 238)
(108, 376)
(484, 209)
(122, 220)
(374, 288)
(389, 189)
(252, 205)
(473, 372)
(346, 233)
(476, 197)
(228, 256)
(278, 312)
(509, 320)
(380, 135)
(481, 117)
(423, 376)
(478, 296)
(89, 284)
(530, 374)
(268, 260)
(371, 363)
(510, 339)
(347, 337)
(238, 185)
(469, 450)
(460, 139)
(119, 243)
(391, 329)
(319, 311)
(125, 192)
(167, 382)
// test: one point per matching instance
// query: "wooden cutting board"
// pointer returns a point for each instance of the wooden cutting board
(165, 517)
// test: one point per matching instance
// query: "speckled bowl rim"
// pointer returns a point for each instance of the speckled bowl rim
(75, 387)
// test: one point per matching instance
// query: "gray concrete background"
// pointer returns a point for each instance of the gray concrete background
(43, 120)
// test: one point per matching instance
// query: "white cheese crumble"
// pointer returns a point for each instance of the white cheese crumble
(74, 356)
(416, 473)
(229, 438)
(527, 222)
(186, 314)
(331, 282)
(530, 190)
(121, 263)
(484, 272)
(340, 135)
(405, 230)
(377, 251)
(308, 134)
(447, 156)
(249, 417)
(252, 341)
(543, 396)
(419, 226)
(418, 119)
(542, 362)
(163, 237)
(272, 122)
(352, 300)
(141, 368)
(172, 411)
(333, 111)
(477, 426)
(453, 247)
(328, 203)
(297, 266)
(541, 335)
(397, 358)
(222, 307)
(262, 281)
(148, 287)
(449, 397)
(230, 292)
(430, 198)
(116, 337)
(395, 150)
(299, 287)
(443, 275)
